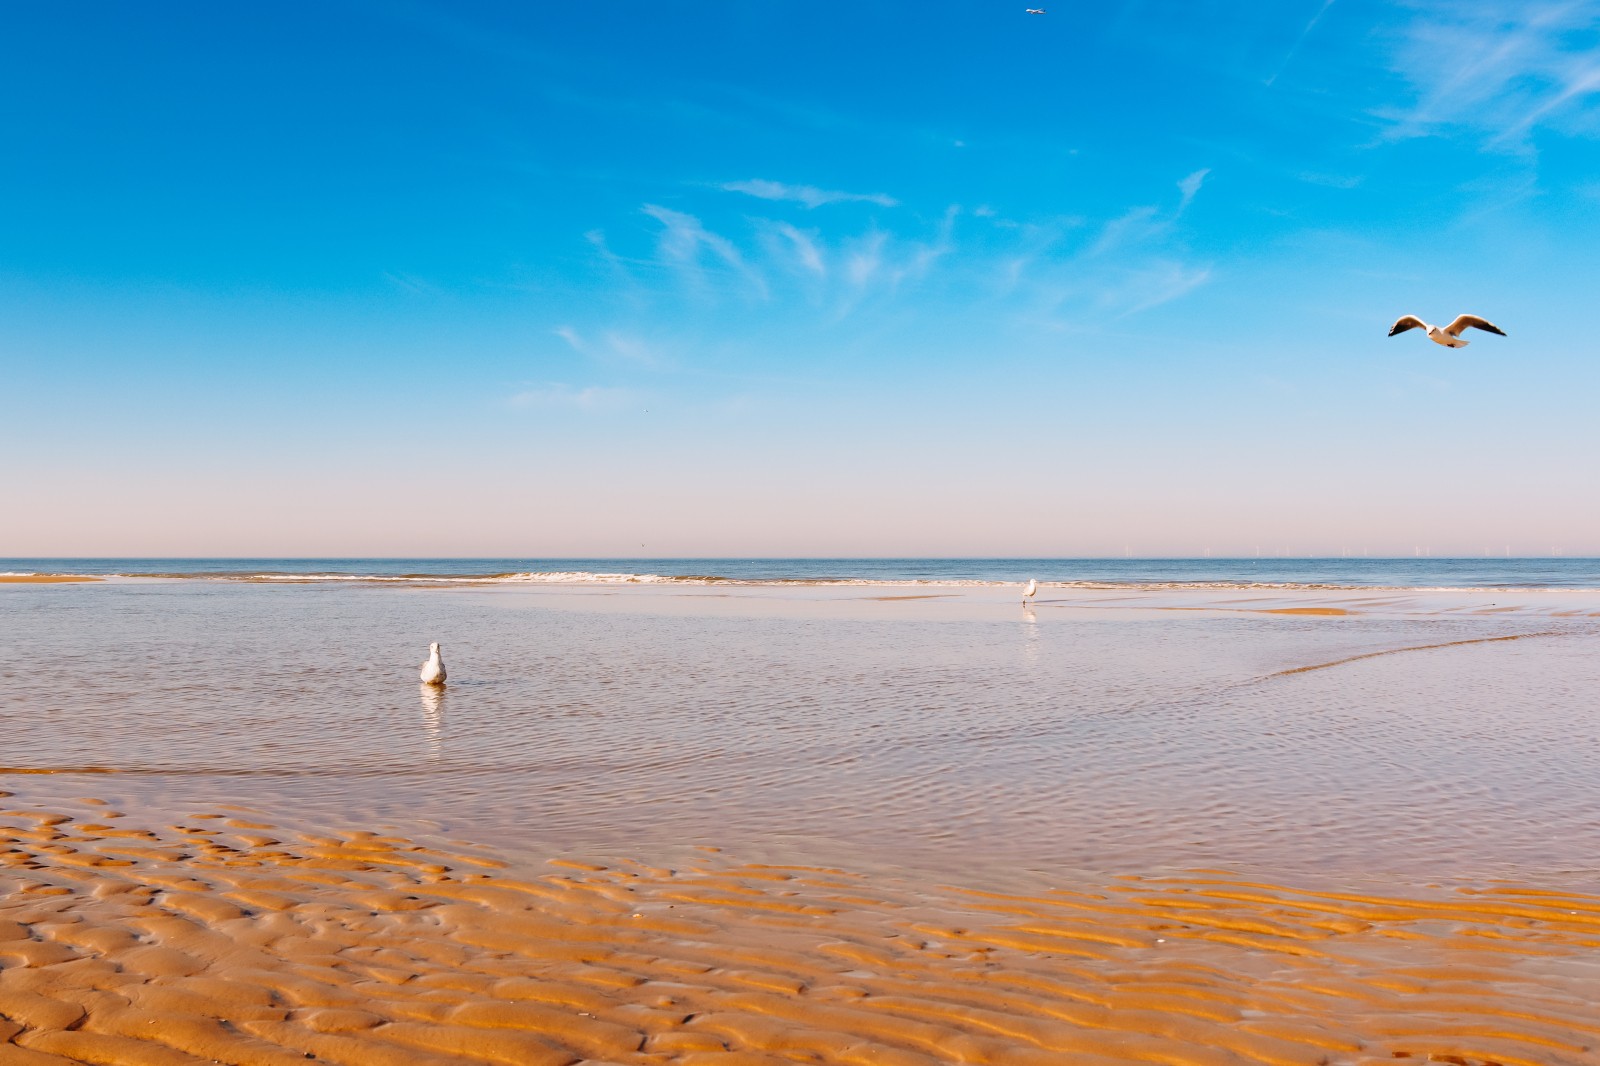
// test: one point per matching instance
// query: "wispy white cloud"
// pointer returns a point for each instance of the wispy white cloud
(589, 399)
(925, 254)
(408, 283)
(898, 268)
(1154, 284)
(610, 346)
(878, 263)
(1133, 226)
(865, 259)
(683, 236)
(1189, 186)
(570, 335)
(1332, 181)
(1136, 262)
(804, 246)
(631, 348)
(684, 240)
(597, 240)
(809, 195)
(1148, 223)
(1581, 82)
(1068, 296)
(1496, 192)
(1500, 69)
(1298, 41)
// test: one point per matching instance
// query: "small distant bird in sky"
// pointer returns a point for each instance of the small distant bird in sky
(1449, 336)
(1035, 10)
(433, 669)
(1027, 593)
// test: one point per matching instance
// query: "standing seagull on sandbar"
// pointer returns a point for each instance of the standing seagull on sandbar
(1449, 336)
(433, 669)
(1027, 593)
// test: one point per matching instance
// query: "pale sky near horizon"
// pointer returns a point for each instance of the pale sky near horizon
(797, 278)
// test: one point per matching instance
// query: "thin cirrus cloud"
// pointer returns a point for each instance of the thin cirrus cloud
(1500, 69)
(875, 257)
(809, 195)
(1067, 296)
(1190, 186)
(1048, 271)
(1152, 285)
(1135, 226)
(1298, 42)
(588, 399)
(685, 244)
(803, 247)
(408, 283)
(610, 346)
(1145, 224)
(683, 236)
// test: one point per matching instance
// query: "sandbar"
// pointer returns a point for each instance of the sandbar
(44, 579)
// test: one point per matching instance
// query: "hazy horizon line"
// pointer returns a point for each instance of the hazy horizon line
(788, 558)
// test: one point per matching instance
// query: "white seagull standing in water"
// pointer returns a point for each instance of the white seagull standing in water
(433, 669)
(1449, 336)
(1027, 593)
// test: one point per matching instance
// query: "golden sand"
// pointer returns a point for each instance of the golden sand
(43, 579)
(227, 940)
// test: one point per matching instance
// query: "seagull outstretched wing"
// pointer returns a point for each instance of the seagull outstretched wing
(1408, 322)
(1472, 322)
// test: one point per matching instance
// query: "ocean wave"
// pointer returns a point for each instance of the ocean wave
(572, 577)
(581, 577)
(592, 578)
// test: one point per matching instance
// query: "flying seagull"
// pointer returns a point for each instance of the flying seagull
(433, 669)
(1449, 336)
(1035, 10)
(1027, 593)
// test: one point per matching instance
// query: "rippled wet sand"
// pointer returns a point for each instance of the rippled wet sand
(226, 939)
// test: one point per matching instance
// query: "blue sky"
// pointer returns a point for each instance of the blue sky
(783, 278)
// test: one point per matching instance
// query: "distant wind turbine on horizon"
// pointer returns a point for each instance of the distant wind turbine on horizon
(1449, 336)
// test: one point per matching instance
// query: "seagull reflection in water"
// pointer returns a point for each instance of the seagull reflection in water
(1030, 627)
(433, 697)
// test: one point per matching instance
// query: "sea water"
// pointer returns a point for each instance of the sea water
(1418, 572)
(944, 727)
